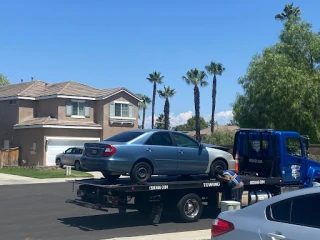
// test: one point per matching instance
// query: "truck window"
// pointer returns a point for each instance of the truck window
(258, 145)
(293, 146)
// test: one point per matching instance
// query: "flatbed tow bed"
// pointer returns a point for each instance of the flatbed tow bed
(185, 196)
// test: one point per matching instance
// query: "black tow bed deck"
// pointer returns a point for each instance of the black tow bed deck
(169, 183)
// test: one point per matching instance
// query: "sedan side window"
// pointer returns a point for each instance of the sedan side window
(280, 211)
(160, 138)
(304, 211)
(184, 141)
(297, 211)
(69, 151)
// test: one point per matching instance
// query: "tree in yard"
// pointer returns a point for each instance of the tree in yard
(191, 125)
(4, 80)
(154, 78)
(166, 94)
(281, 86)
(143, 105)
(289, 12)
(159, 122)
(214, 69)
(196, 77)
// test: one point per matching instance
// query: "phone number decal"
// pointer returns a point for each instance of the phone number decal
(161, 187)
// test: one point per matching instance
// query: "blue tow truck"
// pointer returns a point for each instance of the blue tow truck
(269, 162)
(270, 153)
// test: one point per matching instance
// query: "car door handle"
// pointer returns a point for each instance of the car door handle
(276, 236)
(180, 151)
(149, 150)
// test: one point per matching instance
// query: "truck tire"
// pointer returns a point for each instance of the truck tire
(219, 163)
(141, 172)
(190, 208)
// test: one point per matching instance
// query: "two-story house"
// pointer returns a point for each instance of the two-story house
(45, 119)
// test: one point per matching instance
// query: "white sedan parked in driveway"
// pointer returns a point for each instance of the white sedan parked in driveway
(291, 216)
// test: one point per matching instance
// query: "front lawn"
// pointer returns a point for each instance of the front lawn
(37, 173)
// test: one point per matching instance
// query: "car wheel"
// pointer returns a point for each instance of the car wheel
(217, 164)
(59, 163)
(190, 208)
(141, 172)
(77, 165)
(110, 177)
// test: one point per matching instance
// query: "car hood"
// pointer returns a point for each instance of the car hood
(223, 148)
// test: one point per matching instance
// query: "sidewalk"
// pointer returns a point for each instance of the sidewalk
(189, 235)
(8, 179)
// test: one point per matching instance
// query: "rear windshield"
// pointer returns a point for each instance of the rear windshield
(124, 137)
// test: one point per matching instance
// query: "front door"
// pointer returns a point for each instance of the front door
(65, 157)
(161, 151)
(294, 160)
(191, 158)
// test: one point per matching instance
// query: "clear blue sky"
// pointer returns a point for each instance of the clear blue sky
(113, 43)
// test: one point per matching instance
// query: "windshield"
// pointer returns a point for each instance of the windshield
(124, 136)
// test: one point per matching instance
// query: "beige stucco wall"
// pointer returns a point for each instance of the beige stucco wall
(26, 110)
(112, 129)
(56, 108)
(8, 117)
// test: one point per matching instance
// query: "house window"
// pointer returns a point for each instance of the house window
(122, 110)
(13, 101)
(76, 109)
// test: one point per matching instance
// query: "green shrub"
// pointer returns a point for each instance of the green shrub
(220, 137)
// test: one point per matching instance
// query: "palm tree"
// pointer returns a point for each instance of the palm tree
(196, 77)
(214, 69)
(144, 105)
(159, 122)
(154, 78)
(289, 11)
(166, 94)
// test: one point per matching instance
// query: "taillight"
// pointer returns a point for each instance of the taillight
(109, 151)
(220, 227)
(84, 151)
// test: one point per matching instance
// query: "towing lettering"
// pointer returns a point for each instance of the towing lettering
(217, 184)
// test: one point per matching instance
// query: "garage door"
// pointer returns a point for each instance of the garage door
(56, 146)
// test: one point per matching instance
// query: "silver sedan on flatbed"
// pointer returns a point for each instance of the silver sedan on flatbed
(142, 153)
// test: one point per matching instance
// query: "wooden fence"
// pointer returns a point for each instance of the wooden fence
(9, 157)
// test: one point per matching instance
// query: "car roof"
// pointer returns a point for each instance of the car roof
(283, 196)
(154, 130)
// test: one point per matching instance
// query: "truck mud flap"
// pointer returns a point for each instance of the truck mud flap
(87, 205)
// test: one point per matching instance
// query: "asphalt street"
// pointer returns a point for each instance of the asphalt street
(39, 212)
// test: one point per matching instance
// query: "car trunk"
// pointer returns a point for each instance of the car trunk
(99, 149)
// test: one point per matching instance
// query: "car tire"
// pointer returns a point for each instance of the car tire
(190, 208)
(219, 163)
(77, 165)
(141, 172)
(59, 163)
(110, 177)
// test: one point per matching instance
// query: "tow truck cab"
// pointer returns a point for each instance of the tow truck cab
(270, 153)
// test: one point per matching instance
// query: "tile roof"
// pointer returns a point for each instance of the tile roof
(54, 121)
(70, 88)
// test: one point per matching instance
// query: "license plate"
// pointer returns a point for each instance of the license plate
(94, 151)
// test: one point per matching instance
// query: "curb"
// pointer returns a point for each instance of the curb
(189, 235)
